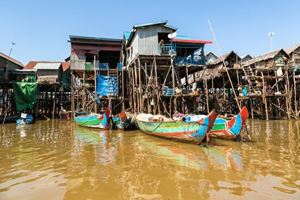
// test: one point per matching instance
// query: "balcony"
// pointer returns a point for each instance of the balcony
(171, 49)
(103, 66)
(190, 60)
(168, 49)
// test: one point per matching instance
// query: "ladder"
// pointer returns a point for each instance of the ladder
(250, 77)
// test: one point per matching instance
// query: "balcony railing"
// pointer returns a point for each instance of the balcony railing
(103, 66)
(168, 49)
(190, 60)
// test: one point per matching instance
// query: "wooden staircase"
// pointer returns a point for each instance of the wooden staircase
(250, 77)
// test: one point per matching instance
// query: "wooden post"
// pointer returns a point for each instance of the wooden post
(53, 97)
(133, 91)
(95, 82)
(173, 85)
(278, 100)
(224, 88)
(135, 86)
(287, 86)
(72, 96)
(232, 86)
(140, 87)
(206, 93)
(123, 92)
(156, 86)
(251, 104)
(264, 97)
(146, 91)
(238, 77)
(295, 96)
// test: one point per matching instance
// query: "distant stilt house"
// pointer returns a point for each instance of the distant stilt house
(96, 73)
(268, 87)
(53, 85)
(218, 81)
(7, 67)
(7, 76)
(293, 65)
(246, 58)
(211, 58)
(157, 59)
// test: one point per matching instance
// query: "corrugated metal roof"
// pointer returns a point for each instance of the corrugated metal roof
(76, 37)
(162, 23)
(30, 65)
(290, 50)
(267, 56)
(191, 41)
(151, 24)
(11, 59)
(47, 66)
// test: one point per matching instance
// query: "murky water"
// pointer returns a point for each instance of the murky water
(58, 160)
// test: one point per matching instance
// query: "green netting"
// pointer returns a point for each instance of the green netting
(25, 95)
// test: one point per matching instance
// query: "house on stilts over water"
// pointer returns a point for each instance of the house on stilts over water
(157, 59)
(96, 72)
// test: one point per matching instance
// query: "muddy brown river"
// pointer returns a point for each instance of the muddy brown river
(59, 160)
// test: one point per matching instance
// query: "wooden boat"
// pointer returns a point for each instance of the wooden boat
(94, 120)
(229, 128)
(187, 131)
(124, 121)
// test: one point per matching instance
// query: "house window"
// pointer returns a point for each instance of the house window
(89, 57)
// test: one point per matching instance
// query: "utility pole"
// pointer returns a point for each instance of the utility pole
(271, 34)
(6, 67)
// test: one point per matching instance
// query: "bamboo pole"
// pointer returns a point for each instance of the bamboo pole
(264, 97)
(251, 104)
(53, 106)
(278, 100)
(156, 86)
(95, 82)
(224, 65)
(146, 91)
(206, 96)
(173, 85)
(133, 92)
(72, 96)
(288, 96)
(295, 95)
(136, 94)
(123, 87)
(140, 86)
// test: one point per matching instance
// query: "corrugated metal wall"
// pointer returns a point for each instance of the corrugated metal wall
(146, 41)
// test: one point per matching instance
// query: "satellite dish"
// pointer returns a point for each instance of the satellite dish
(271, 34)
(172, 35)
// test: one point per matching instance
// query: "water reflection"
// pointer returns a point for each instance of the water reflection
(78, 163)
(105, 144)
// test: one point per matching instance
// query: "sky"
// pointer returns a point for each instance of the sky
(40, 29)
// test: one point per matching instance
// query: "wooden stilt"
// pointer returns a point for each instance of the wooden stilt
(264, 96)
(140, 87)
(72, 96)
(173, 85)
(156, 87)
(287, 97)
(206, 93)
(295, 96)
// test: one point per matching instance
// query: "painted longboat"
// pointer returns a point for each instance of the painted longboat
(124, 121)
(186, 131)
(229, 128)
(94, 120)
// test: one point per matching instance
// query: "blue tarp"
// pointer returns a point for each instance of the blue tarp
(107, 85)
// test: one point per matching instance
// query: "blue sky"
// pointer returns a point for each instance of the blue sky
(41, 28)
